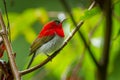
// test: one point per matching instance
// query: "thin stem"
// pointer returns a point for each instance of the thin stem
(107, 38)
(8, 24)
(66, 6)
(9, 50)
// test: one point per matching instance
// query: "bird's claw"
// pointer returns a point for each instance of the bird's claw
(47, 56)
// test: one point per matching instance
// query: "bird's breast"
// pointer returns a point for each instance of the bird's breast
(51, 45)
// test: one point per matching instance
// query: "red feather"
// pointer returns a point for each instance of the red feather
(51, 29)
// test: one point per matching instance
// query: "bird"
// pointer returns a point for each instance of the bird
(49, 39)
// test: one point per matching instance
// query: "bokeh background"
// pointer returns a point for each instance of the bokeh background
(27, 17)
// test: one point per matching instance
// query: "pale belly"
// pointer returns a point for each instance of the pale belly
(51, 46)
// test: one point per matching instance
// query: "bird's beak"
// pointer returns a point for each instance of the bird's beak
(63, 20)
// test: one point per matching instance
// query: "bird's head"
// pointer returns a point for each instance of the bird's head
(52, 28)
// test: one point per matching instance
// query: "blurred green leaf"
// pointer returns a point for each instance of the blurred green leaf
(26, 22)
(90, 13)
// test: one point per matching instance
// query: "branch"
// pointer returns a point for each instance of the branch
(8, 24)
(107, 38)
(9, 49)
(80, 33)
(108, 30)
(78, 66)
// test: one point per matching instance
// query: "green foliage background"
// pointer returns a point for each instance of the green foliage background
(26, 20)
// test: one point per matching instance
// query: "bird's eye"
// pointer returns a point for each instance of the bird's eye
(57, 21)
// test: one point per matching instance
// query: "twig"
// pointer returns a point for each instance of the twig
(9, 49)
(79, 65)
(55, 53)
(107, 38)
(75, 70)
(4, 2)
(8, 24)
(80, 33)
(100, 2)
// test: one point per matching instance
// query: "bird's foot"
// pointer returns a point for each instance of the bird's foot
(48, 56)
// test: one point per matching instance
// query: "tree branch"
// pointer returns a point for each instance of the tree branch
(108, 29)
(9, 49)
(8, 24)
(107, 38)
(66, 6)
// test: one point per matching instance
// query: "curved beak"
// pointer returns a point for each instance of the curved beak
(63, 20)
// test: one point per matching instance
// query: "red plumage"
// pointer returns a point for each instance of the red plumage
(51, 29)
(49, 39)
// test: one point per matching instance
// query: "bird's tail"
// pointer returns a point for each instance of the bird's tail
(33, 56)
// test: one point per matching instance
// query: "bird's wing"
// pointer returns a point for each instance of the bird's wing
(39, 42)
